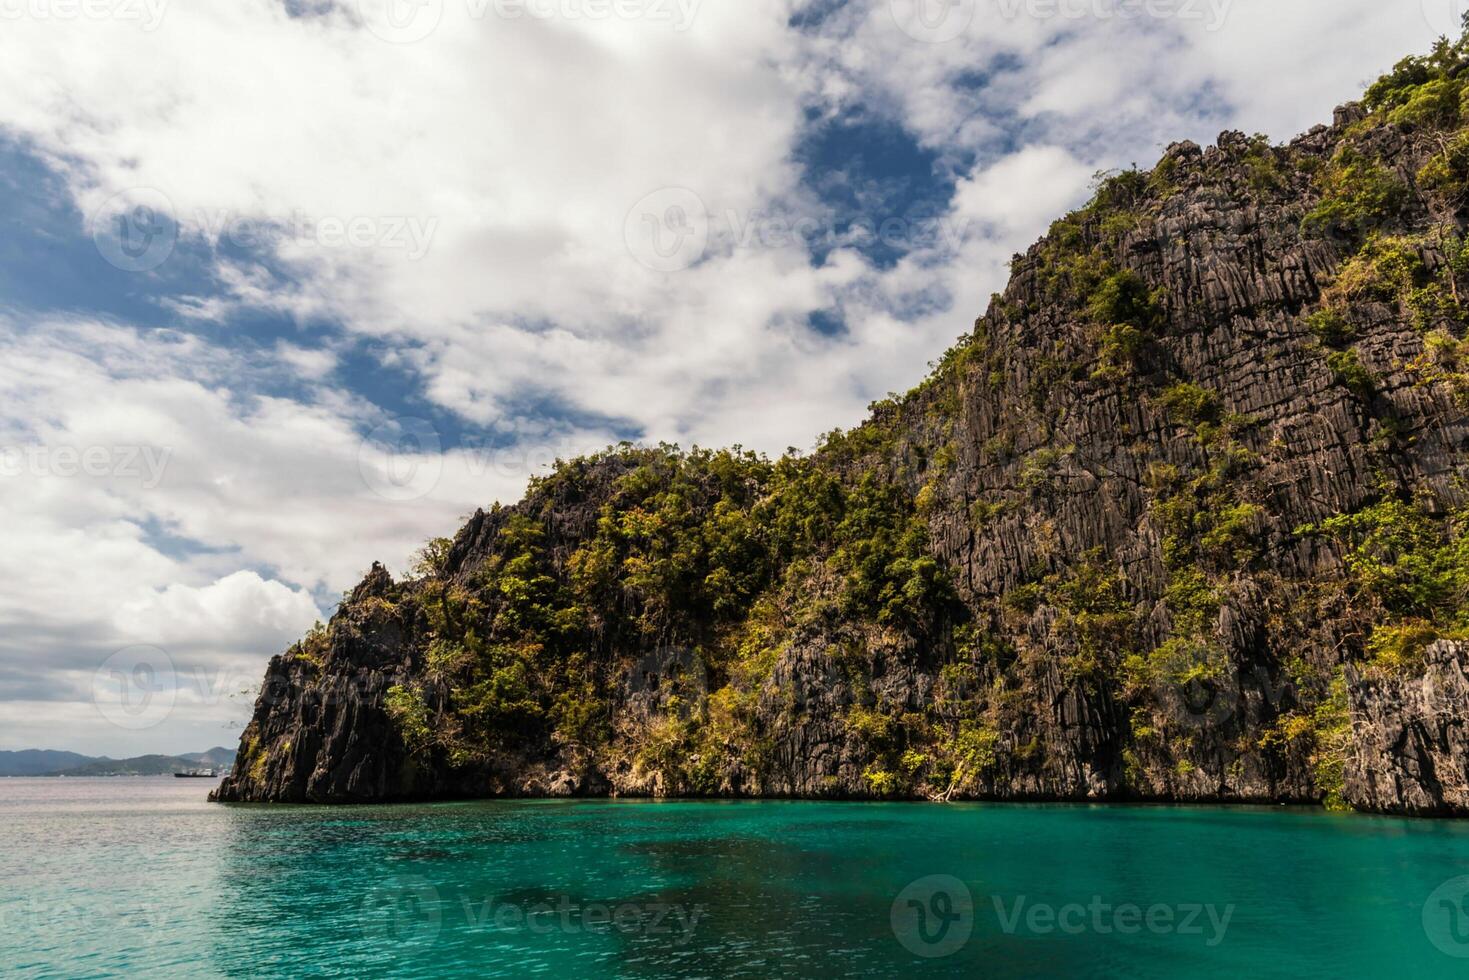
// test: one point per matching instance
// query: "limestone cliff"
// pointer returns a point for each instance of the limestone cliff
(1183, 518)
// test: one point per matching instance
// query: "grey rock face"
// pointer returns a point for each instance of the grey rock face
(1410, 748)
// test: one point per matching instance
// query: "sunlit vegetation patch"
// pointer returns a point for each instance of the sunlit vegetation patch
(1358, 195)
(1410, 562)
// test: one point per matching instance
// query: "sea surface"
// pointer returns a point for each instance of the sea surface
(110, 877)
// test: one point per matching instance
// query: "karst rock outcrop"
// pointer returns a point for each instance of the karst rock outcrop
(1183, 517)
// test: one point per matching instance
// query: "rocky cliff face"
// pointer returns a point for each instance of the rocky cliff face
(1183, 518)
(1410, 752)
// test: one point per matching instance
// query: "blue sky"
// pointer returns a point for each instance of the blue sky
(288, 288)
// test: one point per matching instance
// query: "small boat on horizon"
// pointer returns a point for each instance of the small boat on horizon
(196, 774)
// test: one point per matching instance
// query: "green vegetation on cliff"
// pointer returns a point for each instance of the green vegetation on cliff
(691, 550)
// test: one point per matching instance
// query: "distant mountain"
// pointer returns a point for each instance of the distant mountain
(48, 762)
(143, 765)
(42, 762)
(217, 756)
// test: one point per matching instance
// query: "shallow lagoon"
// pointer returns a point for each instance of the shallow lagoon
(114, 876)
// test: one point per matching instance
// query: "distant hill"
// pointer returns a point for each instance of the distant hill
(143, 765)
(42, 762)
(219, 756)
(48, 762)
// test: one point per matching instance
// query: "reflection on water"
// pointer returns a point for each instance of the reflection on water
(142, 876)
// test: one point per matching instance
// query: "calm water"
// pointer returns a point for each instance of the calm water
(121, 876)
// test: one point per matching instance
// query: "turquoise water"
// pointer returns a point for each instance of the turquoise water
(141, 876)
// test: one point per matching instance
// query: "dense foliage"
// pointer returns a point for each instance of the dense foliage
(715, 552)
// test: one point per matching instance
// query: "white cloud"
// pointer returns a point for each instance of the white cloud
(1050, 177)
(239, 611)
(147, 491)
(313, 364)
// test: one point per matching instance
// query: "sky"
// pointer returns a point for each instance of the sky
(291, 286)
